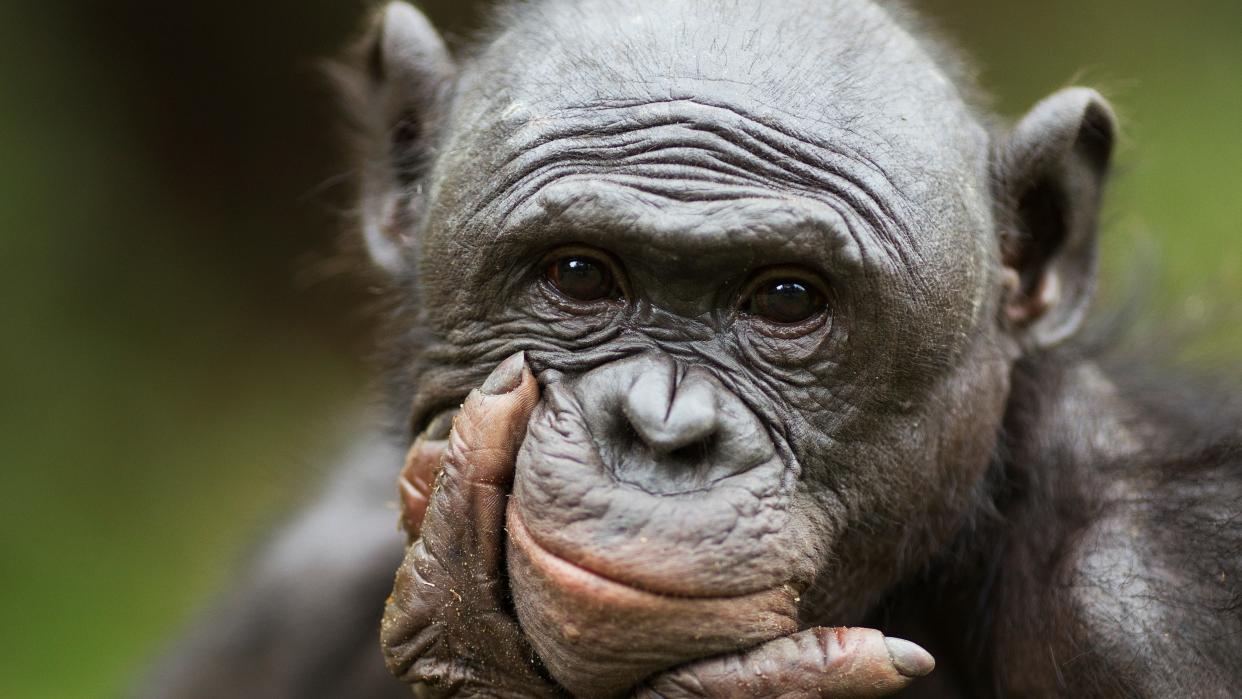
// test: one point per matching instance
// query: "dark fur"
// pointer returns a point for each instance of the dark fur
(999, 609)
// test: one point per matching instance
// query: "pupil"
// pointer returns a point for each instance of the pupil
(581, 279)
(786, 302)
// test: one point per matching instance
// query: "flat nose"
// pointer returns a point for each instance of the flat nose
(667, 426)
(671, 412)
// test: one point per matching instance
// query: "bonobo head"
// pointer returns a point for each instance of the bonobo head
(772, 268)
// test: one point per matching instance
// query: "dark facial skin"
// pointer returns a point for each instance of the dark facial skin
(772, 299)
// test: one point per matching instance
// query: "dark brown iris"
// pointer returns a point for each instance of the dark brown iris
(582, 278)
(786, 301)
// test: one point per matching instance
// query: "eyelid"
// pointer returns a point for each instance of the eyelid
(581, 250)
(794, 273)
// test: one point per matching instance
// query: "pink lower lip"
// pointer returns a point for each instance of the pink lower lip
(579, 581)
(568, 576)
(598, 636)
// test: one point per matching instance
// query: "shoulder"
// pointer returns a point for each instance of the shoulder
(1155, 581)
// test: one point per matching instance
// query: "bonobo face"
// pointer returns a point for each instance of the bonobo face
(757, 283)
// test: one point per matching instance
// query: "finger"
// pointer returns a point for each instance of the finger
(422, 465)
(464, 521)
(839, 663)
(448, 584)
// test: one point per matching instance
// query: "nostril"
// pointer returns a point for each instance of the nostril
(678, 440)
(693, 453)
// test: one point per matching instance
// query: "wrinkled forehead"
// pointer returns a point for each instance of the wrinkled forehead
(836, 73)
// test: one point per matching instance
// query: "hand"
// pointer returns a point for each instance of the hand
(445, 625)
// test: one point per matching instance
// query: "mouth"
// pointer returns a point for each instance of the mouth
(580, 580)
(599, 637)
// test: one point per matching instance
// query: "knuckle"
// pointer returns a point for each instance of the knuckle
(442, 678)
(408, 647)
(680, 684)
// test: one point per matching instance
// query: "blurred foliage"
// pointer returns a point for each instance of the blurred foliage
(181, 351)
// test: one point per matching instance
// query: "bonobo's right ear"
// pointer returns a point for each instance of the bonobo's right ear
(397, 85)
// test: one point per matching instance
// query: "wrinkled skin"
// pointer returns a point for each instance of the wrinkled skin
(735, 344)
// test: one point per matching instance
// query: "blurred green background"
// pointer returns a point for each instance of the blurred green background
(181, 348)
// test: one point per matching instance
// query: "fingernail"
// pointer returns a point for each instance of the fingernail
(909, 659)
(505, 377)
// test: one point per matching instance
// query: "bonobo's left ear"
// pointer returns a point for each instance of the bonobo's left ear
(396, 86)
(1050, 171)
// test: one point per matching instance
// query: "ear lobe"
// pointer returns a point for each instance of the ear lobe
(396, 85)
(1051, 170)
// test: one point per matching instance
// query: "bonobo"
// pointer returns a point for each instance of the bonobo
(736, 345)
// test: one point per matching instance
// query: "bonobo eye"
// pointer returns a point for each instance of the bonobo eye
(582, 275)
(785, 297)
